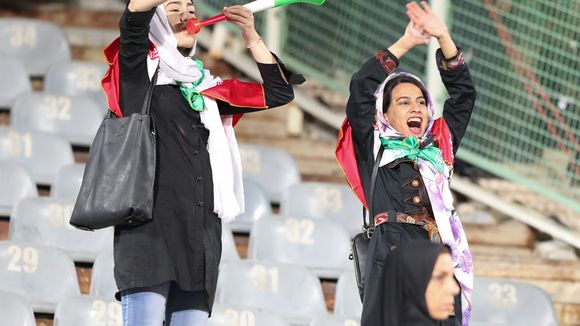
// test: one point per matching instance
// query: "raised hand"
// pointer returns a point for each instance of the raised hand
(244, 19)
(431, 25)
(415, 35)
(426, 20)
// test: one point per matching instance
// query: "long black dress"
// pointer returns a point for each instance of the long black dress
(399, 186)
(183, 241)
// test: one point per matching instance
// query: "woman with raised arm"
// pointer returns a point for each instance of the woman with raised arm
(166, 269)
(411, 199)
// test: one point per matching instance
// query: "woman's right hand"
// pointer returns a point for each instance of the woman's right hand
(144, 5)
(416, 36)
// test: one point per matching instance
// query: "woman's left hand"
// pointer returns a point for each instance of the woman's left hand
(244, 19)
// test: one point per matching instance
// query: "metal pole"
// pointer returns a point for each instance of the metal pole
(434, 84)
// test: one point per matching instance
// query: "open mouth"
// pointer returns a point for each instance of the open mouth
(414, 125)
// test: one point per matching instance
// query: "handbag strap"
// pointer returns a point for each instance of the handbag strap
(147, 102)
(371, 192)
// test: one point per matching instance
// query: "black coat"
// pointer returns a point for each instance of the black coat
(395, 189)
(183, 241)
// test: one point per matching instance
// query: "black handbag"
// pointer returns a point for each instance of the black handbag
(117, 186)
(360, 242)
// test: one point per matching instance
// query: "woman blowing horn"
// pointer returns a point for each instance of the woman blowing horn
(167, 269)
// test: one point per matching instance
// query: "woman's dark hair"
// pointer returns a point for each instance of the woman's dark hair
(388, 92)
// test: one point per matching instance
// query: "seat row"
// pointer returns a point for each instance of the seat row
(46, 277)
(270, 176)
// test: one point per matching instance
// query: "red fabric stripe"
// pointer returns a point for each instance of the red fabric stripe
(346, 158)
(239, 93)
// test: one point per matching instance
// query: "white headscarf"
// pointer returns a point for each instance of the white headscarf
(222, 146)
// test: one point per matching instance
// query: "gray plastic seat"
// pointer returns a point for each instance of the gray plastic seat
(16, 184)
(102, 279)
(67, 182)
(320, 245)
(40, 153)
(43, 275)
(324, 200)
(347, 300)
(243, 316)
(75, 119)
(88, 311)
(336, 321)
(45, 221)
(17, 84)
(39, 44)
(77, 78)
(257, 206)
(229, 251)
(15, 310)
(506, 302)
(273, 169)
(290, 291)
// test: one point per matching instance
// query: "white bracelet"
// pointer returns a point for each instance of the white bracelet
(255, 44)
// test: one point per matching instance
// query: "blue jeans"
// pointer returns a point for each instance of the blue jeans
(151, 305)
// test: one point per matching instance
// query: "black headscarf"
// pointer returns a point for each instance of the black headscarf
(408, 271)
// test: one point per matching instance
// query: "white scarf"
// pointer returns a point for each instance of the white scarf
(440, 197)
(224, 155)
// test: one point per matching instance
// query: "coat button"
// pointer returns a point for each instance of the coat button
(199, 203)
(198, 178)
(417, 200)
(195, 152)
(415, 183)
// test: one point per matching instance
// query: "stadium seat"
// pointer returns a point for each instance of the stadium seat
(17, 84)
(43, 275)
(336, 321)
(243, 316)
(273, 169)
(16, 184)
(77, 79)
(319, 245)
(45, 221)
(40, 153)
(88, 311)
(506, 302)
(257, 206)
(347, 300)
(68, 181)
(39, 44)
(324, 200)
(229, 251)
(15, 310)
(75, 119)
(290, 291)
(102, 279)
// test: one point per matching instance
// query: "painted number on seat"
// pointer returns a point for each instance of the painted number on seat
(57, 107)
(265, 278)
(106, 313)
(251, 161)
(23, 35)
(328, 200)
(300, 231)
(504, 295)
(240, 318)
(23, 259)
(60, 215)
